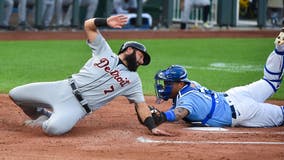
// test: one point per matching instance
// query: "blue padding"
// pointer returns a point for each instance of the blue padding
(211, 111)
(282, 69)
(186, 89)
(279, 80)
(273, 73)
(272, 86)
(278, 52)
(170, 115)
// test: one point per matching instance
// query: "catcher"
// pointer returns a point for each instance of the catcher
(240, 106)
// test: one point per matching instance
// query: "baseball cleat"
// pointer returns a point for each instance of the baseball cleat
(207, 25)
(37, 122)
(279, 41)
(44, 111)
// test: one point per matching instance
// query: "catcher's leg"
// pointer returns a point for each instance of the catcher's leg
(273, 73)
(273, 70)
(259, 115)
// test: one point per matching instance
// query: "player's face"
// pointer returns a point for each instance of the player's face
(174, 90)
(139, 57)
(131, 60)
(173, 86)
(176, 86)
(134, 59)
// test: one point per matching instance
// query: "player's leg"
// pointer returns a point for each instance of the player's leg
(266, 87)
(273, 70)
(59, 12)
(91, 8)
(31, 96)
(57, 95)
(8, 8)
(260, 115)
(66, 114)
(68, 16)
(273, 74)
(28, 98)
(49, 11)
(22, 6)
(258, 91)
(185, 13)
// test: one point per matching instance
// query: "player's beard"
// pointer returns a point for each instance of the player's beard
(132, 61)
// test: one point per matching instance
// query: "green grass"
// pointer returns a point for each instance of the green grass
(33, 61)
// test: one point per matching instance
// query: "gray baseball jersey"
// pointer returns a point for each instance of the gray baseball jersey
(103, 77)
(99, 81)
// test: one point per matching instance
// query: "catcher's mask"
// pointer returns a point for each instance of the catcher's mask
(164, 80)
(137, 46)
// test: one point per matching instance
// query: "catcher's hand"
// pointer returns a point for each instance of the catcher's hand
(158, 116)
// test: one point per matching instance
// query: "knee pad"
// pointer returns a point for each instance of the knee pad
(13, 95)
(273, 70)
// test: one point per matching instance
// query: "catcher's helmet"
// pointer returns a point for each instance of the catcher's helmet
(137, 46)
(163, 79)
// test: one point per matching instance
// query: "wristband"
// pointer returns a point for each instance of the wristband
(149, 123)
(100, 22)
(170, 115)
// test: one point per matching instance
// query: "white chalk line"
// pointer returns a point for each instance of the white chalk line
(229, 67)
(244, 132)
(226, 131)
(148, 140)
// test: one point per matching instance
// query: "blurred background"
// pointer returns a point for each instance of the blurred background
(30, 15)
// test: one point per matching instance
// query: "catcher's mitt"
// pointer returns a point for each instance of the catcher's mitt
(158, 116)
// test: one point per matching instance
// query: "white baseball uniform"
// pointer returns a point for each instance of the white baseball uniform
(239, 106)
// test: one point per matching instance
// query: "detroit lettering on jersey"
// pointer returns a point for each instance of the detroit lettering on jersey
(104, 63)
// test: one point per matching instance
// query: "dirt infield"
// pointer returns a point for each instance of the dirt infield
(114, 132)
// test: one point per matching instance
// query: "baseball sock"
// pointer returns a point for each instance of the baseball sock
(44, 111)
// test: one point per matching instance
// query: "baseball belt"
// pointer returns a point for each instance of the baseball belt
(79, 97)
(234, 115)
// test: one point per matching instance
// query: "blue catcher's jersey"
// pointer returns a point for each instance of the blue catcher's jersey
(198, 102)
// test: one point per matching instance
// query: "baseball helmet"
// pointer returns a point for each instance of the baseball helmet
(137, 46)
(163, 79)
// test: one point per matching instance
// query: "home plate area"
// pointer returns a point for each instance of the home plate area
(216, 130)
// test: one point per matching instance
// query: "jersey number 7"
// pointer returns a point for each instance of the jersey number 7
(111, 89)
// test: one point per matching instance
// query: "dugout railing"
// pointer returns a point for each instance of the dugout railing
(165, 12)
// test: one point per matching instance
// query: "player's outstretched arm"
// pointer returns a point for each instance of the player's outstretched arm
(169, 116)
(145, 117)
(91, 25)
